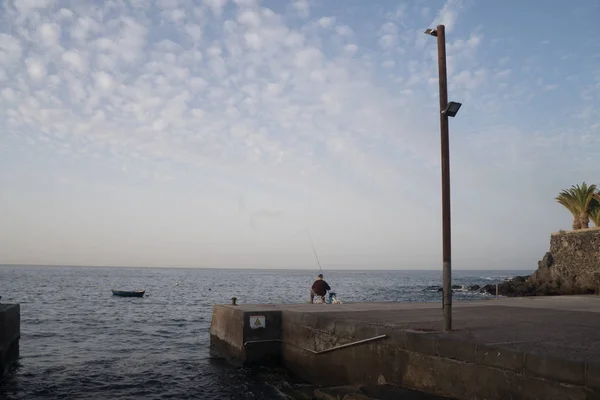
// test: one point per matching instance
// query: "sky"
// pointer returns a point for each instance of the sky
(221, 133)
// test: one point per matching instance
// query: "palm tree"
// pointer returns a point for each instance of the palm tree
(565, 197)
(595, 210)
(578, 200)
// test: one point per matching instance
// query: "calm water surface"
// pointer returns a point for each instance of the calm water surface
(79, 341)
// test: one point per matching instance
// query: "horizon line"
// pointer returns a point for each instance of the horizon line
(252, 268)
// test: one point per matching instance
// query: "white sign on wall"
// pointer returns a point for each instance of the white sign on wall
(257, 321)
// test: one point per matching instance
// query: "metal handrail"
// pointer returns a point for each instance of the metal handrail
(343, 346)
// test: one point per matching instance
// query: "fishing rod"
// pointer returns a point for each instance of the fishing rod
(315, 251)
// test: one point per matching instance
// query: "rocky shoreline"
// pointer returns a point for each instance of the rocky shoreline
(570, 267)
(512, 287)
(522, 286)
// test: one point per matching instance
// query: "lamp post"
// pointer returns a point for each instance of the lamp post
(446, 110)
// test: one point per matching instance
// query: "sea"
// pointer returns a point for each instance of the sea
(78, 341)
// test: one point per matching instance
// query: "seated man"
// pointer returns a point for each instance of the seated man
(319, 288)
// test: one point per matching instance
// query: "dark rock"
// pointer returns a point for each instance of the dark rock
(475, 287)
(299, 393)
(372, 392)
(520, 279)
(335, 393)
(510, 289)
(546, 261)
(491, 289)
(456, 287)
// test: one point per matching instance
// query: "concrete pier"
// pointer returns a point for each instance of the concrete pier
(10, 332)
(539, 348)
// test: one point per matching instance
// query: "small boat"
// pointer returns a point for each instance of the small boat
(125, 293)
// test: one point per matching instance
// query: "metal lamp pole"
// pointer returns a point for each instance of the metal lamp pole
(446, 231)
(446, 110)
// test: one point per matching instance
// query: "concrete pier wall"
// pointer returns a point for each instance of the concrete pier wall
(476, 361)
(423, 361)
(246, 338)
(10, 333)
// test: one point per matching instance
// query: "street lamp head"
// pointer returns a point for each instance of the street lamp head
(431, 32)
(452, 109)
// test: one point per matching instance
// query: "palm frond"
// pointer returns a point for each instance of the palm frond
(578, 200)
(583, 195)
(567, 199)
(595, 210)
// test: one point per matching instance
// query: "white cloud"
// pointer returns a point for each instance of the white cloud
(302, 7)
(174, 15)
(8, 94)
(168, 46)
(167, 4)
(388, 64)
(10, 49)
(351, 48)
(250, 19)
(387, 41)
(448, 14)
(198, 83)
(464, 46)
(253, 40)
(36, 69)
(469, 80)
(388, 38)
(84, 27)
(66, 13)
(307, 58)
(399, 13)
(216, 6)
(326, 22)
(104, 81)
(25, 7)
(474, 40)
(75, 60)
(197, 113)
(49, 34)
(160, 124)
(131, 40)
(343, 30)
(194, 30)
(246, 3)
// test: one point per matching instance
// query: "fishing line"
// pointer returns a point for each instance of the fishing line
(315, 251)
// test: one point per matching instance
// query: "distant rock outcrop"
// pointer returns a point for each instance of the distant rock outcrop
(571, 266)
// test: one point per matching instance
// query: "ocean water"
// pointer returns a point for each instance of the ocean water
(78, 341)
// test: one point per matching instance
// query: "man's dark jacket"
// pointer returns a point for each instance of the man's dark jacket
(320, 287)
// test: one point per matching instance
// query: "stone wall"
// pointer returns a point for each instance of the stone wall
(572, 265)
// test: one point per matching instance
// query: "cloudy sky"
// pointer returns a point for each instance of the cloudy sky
(218, 133)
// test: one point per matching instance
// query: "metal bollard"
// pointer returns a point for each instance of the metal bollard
(497, 294)
(233, 301)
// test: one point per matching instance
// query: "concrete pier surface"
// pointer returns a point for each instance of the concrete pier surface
(519, 348)
(10, 332)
